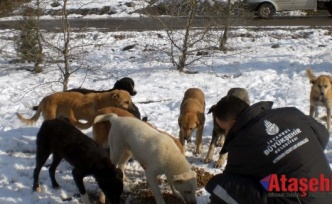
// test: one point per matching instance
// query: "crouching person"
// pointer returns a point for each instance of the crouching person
(274, 156)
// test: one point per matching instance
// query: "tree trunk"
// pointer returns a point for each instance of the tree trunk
(66, 33)
(184, 51)
(224, 36)
(40, 56)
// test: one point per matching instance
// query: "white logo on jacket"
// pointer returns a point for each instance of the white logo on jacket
(271, 128)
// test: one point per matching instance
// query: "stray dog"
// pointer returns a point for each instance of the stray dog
(100, 130)
(64, 141)
(76, 106)
(217, 132)
(192, 117)
(320, 95)
(156, 153)
(126, 84)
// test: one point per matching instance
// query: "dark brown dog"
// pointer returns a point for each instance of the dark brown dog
(101, 130)
(192, 117)
(320, 95)
(76, 106)
(218, 133)
(64, 141)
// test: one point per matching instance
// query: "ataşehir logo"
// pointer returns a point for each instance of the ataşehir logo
(282, 184)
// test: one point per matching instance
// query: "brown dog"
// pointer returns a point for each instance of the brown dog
(100, 130)
(217, 132)
(76, 106)
(320, 95)
(192, 117)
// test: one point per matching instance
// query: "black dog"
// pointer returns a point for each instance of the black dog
(218, 134)
(64, 141)
(125, 83)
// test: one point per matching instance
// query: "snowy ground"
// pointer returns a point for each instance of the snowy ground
(273, 74)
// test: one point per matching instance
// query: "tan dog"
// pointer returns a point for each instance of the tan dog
(101, 129)
(76, 106)
(192, 117)
(156, 153)
(320, 95)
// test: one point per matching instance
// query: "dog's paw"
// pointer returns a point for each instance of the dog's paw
(56, 186)
(220, 141)
(102, 198)
(198, 151)
(207, 160)
(37, 189)
(219, 144)
(218, 164)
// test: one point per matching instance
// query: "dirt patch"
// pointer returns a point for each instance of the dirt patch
(140, 192)
(202, 177)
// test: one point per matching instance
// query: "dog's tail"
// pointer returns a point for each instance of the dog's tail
(311, 75)
(31, 120)
(105, 117)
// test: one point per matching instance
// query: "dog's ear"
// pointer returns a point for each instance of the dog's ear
(312, 77)
(201, 119)
(313, 81)
(184, 176)
(115, 96)
(211, 109)
(179, 120)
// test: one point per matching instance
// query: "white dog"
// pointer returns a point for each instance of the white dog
(156, 152)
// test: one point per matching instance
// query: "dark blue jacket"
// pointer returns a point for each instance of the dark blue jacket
(282, 141)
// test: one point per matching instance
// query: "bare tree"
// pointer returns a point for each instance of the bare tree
(231, 12)
(181, 63)
(63, 49)
(40, 54)
(224, 35)
(183, 43)
(66, 50)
